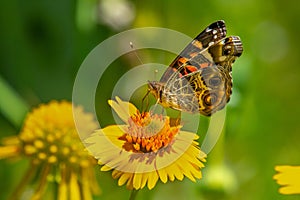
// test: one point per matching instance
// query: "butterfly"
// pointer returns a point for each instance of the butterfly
(199, 80)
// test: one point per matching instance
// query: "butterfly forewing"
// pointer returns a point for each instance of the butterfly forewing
(212, 34)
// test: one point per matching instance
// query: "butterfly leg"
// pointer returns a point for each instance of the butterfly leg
(146, 97)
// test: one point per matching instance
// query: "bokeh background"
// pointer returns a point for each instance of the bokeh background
(43, 43)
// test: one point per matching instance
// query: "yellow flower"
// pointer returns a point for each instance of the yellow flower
(289, 178)
(146, 148)
(50, 140)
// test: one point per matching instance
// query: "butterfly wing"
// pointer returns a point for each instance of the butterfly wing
(203, 83)
(181, 66)
(199, 79)
(206, 90)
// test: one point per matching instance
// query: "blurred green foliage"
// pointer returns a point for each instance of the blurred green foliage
(43, 43)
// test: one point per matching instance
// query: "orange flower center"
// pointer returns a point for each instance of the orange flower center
(148, 132)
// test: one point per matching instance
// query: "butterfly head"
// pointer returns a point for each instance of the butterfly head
(155, 88)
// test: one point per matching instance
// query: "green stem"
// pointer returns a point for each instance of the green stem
(24, 182)
(133, 194)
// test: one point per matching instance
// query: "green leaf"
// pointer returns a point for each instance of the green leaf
(12, 106)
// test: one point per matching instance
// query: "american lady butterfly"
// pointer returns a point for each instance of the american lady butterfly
(199, 79)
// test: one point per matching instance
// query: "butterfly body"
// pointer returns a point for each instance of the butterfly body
(199, 79)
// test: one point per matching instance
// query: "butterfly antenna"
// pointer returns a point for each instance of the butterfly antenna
(135, 52)
(140, 60)
(147, 102)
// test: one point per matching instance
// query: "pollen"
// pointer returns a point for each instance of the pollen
(148, 133)
(53, 149)
(38, 144)
(52, 159)
(49, 135)
(29, 149)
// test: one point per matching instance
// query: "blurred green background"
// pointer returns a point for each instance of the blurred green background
(43, 43)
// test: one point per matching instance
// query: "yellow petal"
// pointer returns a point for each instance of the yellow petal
(74, 187)
(124, 178)
(10, 140)
(105, 168)
(122, 108)
(104, 144)
(186, 169)
(163, 175)
(9, 151)
(63, 190)
(137, 180)
(144, 180)
(174, 170)
(153, 178)
(116, 174)
(289, 190)
(131, 108)
(289, 178)
(129, 184)
(87, 195)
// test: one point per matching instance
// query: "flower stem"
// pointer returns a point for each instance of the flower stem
(133, 194)
(24, 182)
